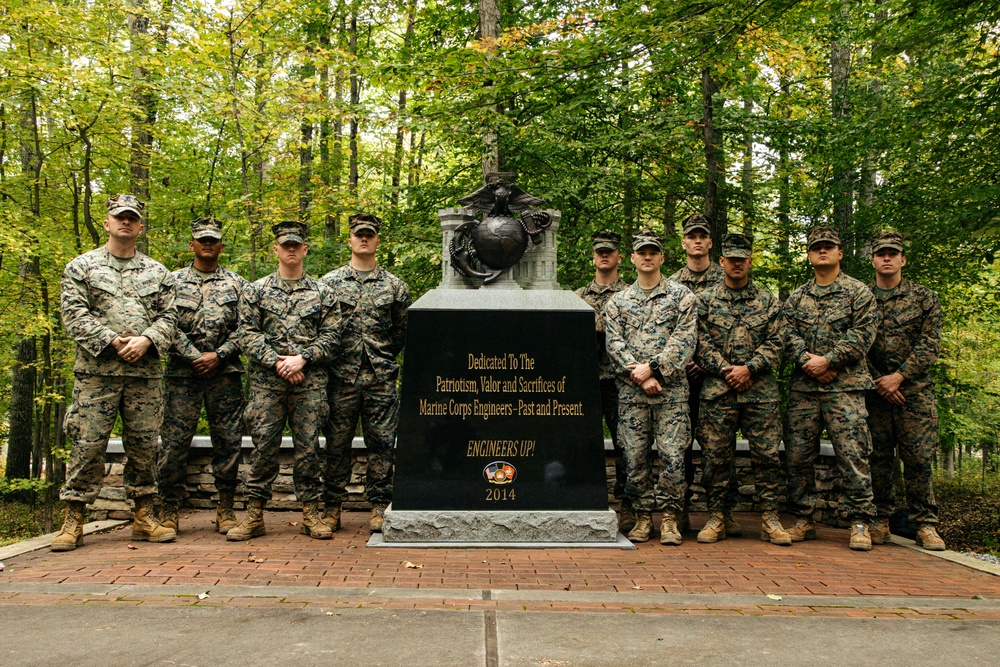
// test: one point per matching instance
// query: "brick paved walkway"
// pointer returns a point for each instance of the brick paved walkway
(285, 558)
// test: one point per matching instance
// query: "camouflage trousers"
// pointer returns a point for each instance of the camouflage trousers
(304, 408)
(222, 396)
(377, 405)
(609, 407)
(718, 422)
(844, 415)
(97, 402)
(640, 425)
(911, 430)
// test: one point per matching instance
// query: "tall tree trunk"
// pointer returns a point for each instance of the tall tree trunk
(337, 152)
(489, 28)
(670, 216)
(325, 128)
(715, 208)
(843, 164)
(397, 158)
(352, 169)
(746, 176)
(784, 186)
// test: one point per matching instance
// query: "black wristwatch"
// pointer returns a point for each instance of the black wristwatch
(654, 365)
(222, 355)
(307, 356)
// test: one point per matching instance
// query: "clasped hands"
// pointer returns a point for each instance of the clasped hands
(643, 376)
(131, 348)
(290, 368)
(818, 368)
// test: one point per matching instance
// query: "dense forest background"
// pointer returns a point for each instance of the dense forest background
(770, 116)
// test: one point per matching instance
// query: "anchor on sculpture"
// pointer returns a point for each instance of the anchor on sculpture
(484, 248)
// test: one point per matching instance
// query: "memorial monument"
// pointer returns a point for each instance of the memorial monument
(500, 437)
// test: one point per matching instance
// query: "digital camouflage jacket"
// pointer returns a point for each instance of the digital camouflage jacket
(99, 302)
(207, 316)
(699, 282)
(739, 328)
(597, 296)
(909, 336)
(837, 322)
(662, 327)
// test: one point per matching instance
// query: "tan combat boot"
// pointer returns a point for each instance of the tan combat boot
(714, 530)
(252, 524)
(928, 538)
(733, 528)
(670, 532)
(225, 518)
(642, 528)
(145, 527)
(170, 516)
(331, 517)
(312, 525)
(626, 517)
(378, 516)
(771, 530)
(861, 539)
(879, 530)
(70, 536)
(804, 529)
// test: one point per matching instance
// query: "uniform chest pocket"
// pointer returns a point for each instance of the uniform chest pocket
(106, 284)
(309, 307)
(907, 315)
(187, 297)
(147, 288)
(756, 321)
(273, 304)
(347, 306)
(226, 297)
(721, 319)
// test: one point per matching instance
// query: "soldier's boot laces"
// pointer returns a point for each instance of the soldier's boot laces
(804, 529)
(331, 517)
(626, 517)
(170, 516)
(312, 524)
(714, 530)
(928, 538)
(225, 517)
(145, 527)
(378, 517)
(252, 524)
(642, 528)
(70, 536)
(861, 539)
(771, 530)
(733, 528)
(670, 532)
(879, 529)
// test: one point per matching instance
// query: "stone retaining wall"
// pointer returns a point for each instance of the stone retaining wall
(113, 504)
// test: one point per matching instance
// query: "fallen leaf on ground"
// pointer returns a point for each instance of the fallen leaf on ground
(772, 596)
(131, 546)
(202, 596)
(800, 565)
(411, 565)
(638, 588)
(1, 567)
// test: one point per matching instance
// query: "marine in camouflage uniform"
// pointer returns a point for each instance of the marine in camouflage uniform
(698, 275)
(739, 345)
(289, 327)
(831, 323)
(651, 337)
(118, 305)
(902, 413)
(203, 369)
(373, 304)
(607, 257)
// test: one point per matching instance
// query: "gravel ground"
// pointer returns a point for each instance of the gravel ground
(989, 558)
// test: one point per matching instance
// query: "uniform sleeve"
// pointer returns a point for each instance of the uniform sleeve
(164, 323)
(683, 339)
(768, 353)
(88, 332)
(328, 339)
(927, 347)
(250, 332)
(615, 338)
(397, 330)
(795, 344)
(709, 357)
(854, 345)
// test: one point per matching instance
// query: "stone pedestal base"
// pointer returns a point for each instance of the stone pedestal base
(584, 528)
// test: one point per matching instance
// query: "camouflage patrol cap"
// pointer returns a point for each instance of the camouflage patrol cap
(823, 234)
(892, 240)
(737, 245)
(290, 231)
(694, 222)
(605, 240)
(365, 221)
(647, 237)
(206, 228)
(125, 202)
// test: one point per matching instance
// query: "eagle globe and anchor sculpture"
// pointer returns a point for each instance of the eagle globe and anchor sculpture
(484, 248)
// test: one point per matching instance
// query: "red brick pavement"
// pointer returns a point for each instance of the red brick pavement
(823, 567)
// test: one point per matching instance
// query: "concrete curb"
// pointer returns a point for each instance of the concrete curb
(948, 555)
(44, 541)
